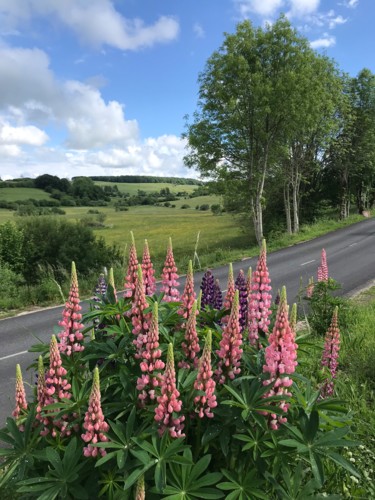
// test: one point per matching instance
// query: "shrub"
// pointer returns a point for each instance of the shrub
(185, 205)
(204, 207)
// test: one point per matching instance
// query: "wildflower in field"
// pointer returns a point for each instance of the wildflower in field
(94, 422)
(71, 337)
(21, 403)
(323, 268)
(140, 319)
(228, 300)
(151, 363)
(331, 354)
(240, 285)
(189, 295)
(191, 344)
(293, 318)
(218, 296)
(281, 360)
(100, 288)
(169, 277)
(111, 282)
(260, 299)
(310, 288)
(205, 383)
(148, 270)
(168, 402)
(207, 288)
(230, 351)
(131, 275)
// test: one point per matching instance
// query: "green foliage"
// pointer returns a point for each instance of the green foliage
(322, 304)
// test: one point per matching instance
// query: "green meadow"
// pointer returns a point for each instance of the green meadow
(148, 187)
(15, 194)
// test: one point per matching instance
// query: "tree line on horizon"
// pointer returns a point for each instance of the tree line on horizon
(284, 128)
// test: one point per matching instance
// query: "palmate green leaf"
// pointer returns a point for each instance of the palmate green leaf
(338, 459)
(317, 467)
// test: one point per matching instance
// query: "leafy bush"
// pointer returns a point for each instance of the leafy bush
(204, 207)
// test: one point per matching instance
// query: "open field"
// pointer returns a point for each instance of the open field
(14, 194)
(148, 187)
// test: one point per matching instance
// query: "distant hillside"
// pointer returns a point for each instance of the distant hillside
(145, 179)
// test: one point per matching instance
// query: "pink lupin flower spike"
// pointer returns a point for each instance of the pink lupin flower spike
(151, 363)
(140, 319)
(140, 493)
(41, 392)
(281, 360)
(20, 395)
(230, 352)
(191, 344)
(57, 388)
(71, 337)
(189, 295)
(260, 299)
(331, 354)
(205, 383)
(169, 277)
(168, 402)
(131, 275)
(323, 268)
(228, 300)
(94, 422)
(149, 281)
(310, 288)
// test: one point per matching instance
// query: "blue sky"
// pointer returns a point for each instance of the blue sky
(100, 87)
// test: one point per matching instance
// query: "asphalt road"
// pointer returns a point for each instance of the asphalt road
(351, 261)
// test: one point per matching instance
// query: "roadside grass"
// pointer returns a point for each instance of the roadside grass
(18, 193)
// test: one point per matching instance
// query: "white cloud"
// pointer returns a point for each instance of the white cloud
(260, 7)
(95, 22)
(29, 134)
(90, 121)
(9, 151)
(323, 42)
(198, 30)
(334, 21)
(351, 4)
(300, 8)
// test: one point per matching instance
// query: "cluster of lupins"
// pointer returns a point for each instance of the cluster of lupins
(245, 323)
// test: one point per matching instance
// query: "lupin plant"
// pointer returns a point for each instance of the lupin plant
(100, 288)
(310, 288)
(188, 296)
(280, 360)
(94, 422)
(169, 403)
(140, 319)
(249, 277)
(131, 275)
(140, 493)
(218, 296)
(57, 389)
(151, 364)
(229, 296)
(293, 318)
(230, 352)
(206, 400)
(169, 276)
(260, 299)
(331, 354)
(111, 281)
(191, 345)
(71, 337)
(323, 268)
(41, 392)
(148, 271)
(207, 288)
(240, 285)
(20, 395)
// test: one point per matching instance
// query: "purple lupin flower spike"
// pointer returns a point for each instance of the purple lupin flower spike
(208, 289)
(240, 285)
(330, 355)
(218, 296)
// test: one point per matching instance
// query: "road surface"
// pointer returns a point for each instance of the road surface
(351, 261)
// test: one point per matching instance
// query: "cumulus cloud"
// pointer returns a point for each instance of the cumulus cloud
(28, 134)
(324, 42)
(95, 22)
(351, 4)
(300, 8)
(260, 7)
